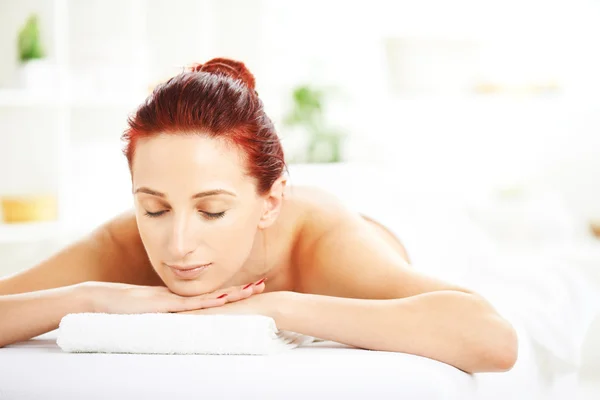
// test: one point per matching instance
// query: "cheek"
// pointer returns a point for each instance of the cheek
(151, 236)
(232, 241)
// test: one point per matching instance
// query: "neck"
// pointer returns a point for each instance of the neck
(260, 263)
(269, 256)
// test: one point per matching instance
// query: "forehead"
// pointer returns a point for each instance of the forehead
(187, 158)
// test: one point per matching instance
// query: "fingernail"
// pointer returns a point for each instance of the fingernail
(261, 281)
(221, 296)
(247, 286)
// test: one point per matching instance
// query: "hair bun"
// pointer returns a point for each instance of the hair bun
(226, 66)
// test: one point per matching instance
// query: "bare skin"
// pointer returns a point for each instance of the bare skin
(280, 250)
(121, 257)
(290, 242)
(330, 272)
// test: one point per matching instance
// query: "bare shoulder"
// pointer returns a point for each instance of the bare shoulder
(319, 214)
(125, 236)
(113, 252)
(336, 245)
(323, 212)
(320, 211)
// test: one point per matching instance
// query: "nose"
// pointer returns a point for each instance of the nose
(182, 238)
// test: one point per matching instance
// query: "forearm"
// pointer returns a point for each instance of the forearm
(449, 326)
(26, 315)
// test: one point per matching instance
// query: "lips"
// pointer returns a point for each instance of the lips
(188, 272)
(189, 267)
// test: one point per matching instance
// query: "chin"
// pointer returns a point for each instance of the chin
(192, 287)
(208, 281)
(188, 288)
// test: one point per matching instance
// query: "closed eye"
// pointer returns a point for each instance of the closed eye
(213, 215)
(155, 214)
(207, 214)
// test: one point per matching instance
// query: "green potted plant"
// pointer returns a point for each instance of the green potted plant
(321, 143)
(35, 71)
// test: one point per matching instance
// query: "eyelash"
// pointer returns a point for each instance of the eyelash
(207, 214)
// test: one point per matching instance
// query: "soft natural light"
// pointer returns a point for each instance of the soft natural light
(487, 108)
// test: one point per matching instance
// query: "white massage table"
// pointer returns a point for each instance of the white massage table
(39, 369)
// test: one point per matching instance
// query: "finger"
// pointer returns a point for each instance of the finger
(210, 303)
(247, 290)
(259, 286)
(237, 293)
(234, 293)
(231, 292)
(259, 289)
(251, 289)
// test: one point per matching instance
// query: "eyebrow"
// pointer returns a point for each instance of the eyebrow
(207, 193)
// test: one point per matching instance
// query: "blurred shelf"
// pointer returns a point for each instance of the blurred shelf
(25, 98)
(31, 231)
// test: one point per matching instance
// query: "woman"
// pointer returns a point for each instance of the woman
(216, 230)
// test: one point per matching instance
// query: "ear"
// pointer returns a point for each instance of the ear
(272, 203)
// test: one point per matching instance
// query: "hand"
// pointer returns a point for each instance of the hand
(122, 298)
(268, 304)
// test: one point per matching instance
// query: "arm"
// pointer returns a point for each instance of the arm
(23, 316)
(453, 327)
(363, 293)
(33, 301)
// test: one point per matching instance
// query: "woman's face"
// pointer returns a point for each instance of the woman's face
(195, 207)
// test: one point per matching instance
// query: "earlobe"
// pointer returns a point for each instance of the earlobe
(272, 204)
(270, 214)
(263, 223)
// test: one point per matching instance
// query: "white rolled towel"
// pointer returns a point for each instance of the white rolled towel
(170, 333)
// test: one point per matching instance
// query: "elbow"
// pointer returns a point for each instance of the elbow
(498, 344)
(503, 349)
(507, 359)
(490, 342)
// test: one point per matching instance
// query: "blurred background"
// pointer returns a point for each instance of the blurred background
(490, 104)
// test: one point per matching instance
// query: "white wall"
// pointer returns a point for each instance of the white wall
(447, 137)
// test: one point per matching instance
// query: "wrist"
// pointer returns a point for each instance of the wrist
(282, 308)
(80, 299)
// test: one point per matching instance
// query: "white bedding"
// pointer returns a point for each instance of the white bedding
(38, 369)
(531, 257)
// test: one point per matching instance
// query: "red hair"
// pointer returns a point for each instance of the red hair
(218, 99)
